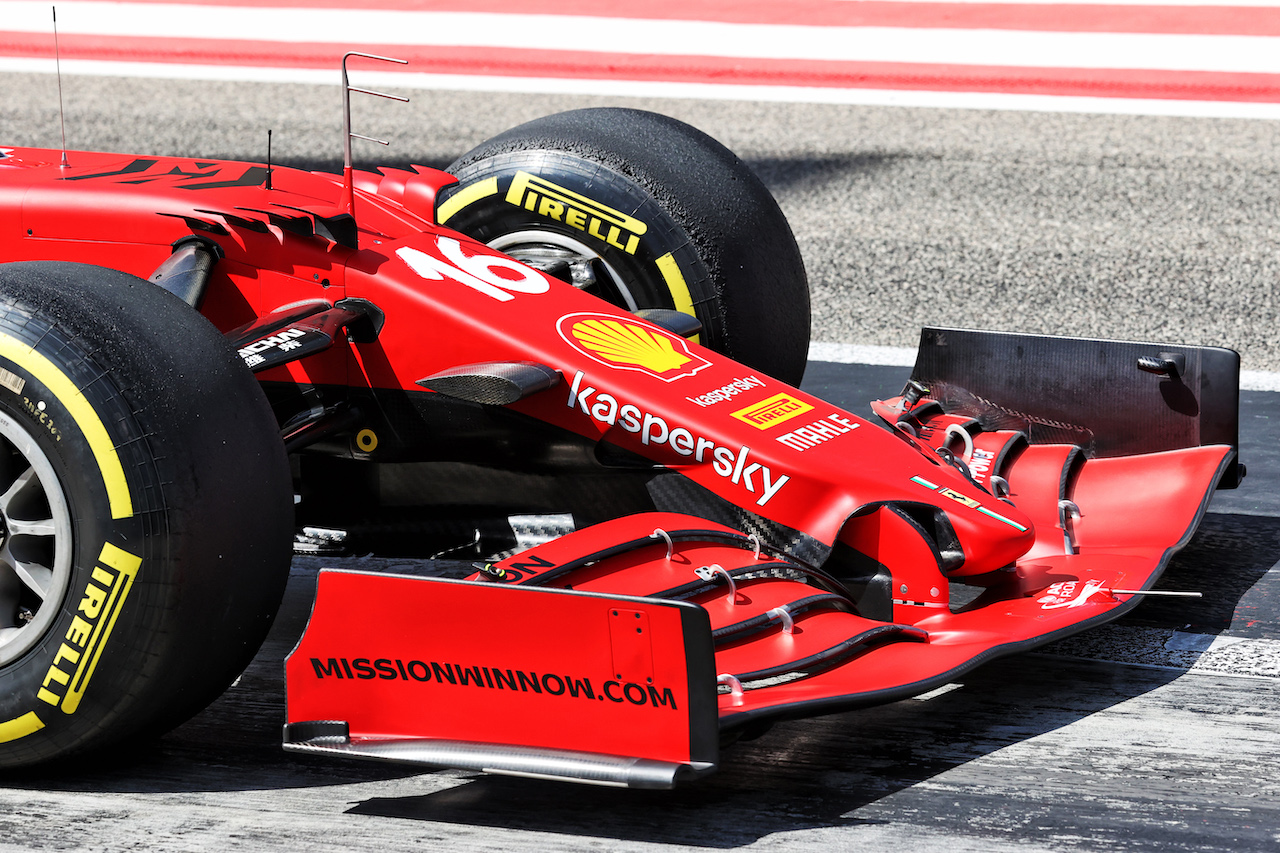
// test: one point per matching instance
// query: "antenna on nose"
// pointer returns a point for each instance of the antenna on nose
(57, 62)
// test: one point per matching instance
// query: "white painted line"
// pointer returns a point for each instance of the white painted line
(910, 98)
(1259, 380)
(1163, 648)
(1250, 380)
(939, 691)
(986, 47)
(861, 354)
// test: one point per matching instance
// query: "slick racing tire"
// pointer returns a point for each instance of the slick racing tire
(145, 511)
(646, 212)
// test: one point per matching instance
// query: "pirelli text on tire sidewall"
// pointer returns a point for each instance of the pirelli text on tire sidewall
(647, 260)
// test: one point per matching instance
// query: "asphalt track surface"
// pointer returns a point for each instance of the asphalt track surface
(1158, 733)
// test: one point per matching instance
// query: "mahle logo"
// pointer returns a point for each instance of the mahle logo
(631, 345)
(773, 411)
(577, 211)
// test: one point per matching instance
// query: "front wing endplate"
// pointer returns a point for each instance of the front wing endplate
(612, 690)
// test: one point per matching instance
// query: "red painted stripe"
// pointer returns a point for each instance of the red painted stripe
(1205, 20)
(1114, 83)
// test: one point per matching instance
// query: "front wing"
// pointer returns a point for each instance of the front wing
(618, 655)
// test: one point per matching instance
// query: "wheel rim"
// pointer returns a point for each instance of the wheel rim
(35, 553)
(543, 250)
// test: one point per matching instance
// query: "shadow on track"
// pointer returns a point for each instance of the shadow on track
(804, 774)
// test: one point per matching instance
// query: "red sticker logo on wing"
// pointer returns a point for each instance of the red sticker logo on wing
(630, 345)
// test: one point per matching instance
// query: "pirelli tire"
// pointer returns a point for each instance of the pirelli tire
(650, 213)
(146, 511)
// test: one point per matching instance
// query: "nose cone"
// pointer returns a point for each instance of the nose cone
(991, 533)
(993, 541)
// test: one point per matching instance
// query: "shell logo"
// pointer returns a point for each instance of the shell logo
(631, 345)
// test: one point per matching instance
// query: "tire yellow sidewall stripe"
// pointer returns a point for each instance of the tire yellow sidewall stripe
(86, 419)
(466, 196)
(20, 727)
(126, 566)
(679, 289)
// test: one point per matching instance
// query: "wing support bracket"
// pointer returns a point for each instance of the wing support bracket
(293, 332)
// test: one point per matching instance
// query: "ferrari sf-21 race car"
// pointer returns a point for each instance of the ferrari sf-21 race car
(601, 313)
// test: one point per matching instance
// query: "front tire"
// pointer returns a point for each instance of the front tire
(146, 508)
(647, 212)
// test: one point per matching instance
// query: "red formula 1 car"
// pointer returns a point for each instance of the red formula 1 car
(602, 313)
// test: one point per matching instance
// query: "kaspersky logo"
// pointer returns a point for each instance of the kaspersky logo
(735, 464)
(630, 345)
